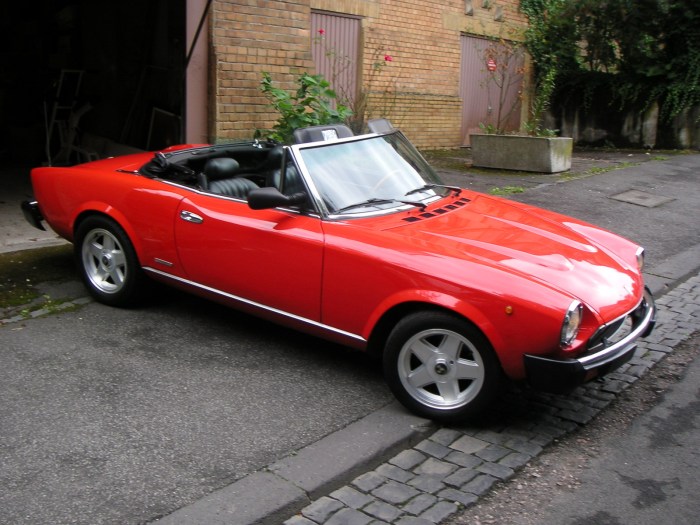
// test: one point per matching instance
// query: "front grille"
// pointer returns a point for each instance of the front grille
(616, 330)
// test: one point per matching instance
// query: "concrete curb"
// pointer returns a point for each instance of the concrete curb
(286, 486)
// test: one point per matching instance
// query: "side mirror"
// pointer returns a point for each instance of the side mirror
(266, 198)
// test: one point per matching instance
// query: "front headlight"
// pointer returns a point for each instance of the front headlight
(572, 322)
(640, 258)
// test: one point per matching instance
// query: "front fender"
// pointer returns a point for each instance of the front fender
(512, 325)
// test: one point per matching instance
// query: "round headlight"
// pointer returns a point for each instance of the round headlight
(571, 324)
(640, 259)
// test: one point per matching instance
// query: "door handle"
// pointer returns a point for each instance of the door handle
(191, 217)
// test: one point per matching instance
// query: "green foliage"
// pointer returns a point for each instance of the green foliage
(633, 52)
(507, 190)
(314, 103)
(489, 129)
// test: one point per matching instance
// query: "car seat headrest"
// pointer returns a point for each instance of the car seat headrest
(221, 168)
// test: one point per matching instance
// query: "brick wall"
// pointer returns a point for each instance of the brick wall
(418, 89)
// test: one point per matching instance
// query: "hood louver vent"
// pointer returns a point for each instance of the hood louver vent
(439, 211)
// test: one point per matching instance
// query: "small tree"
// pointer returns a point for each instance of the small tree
(504, 68)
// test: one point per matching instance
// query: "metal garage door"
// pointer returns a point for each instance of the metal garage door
(484, 91)
(335, 49)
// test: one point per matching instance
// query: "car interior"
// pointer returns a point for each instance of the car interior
(234, 170)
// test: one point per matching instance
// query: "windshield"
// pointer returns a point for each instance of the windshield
(377, 172)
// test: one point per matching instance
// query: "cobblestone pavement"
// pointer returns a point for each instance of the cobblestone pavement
(450, 470)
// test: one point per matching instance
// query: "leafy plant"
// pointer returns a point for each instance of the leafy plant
(314, 103)
(507, 190)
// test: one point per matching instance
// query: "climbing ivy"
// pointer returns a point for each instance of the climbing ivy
(635, 52)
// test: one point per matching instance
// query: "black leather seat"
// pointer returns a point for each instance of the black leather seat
(272, 167)
(219, 176)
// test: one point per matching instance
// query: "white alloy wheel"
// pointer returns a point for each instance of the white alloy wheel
(441, 369)
(104, 261)
(440, 366)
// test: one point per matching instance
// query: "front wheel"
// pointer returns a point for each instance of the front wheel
(108, 262)
(441, 367)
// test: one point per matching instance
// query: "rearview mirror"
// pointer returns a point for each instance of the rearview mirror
(266, 198)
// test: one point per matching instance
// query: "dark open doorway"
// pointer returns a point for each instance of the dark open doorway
(119, 66)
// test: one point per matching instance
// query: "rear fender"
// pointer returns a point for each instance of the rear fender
(101, 208)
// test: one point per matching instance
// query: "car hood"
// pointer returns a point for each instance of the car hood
(535, 245)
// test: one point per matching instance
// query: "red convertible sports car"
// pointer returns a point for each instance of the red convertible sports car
(355, 239)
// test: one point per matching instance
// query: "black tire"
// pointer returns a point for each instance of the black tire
(441, 367)
(107, 262)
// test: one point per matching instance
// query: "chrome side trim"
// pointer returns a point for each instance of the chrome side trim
(257, 305)
(163, 262)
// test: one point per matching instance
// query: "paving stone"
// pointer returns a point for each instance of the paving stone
(524, 447)
(410, 520)
(566, 403)
(543, 439)
(435, 467)
(492, 453)
(408, 459)
(321, 509)
(515, 460)
(440, 511)
(496, 470)
(382, 511)
(480, 484)
(446, 436)
(579, 416)
(429, 484)
(615, 387)
(419, 504)
(458, 496)
(460, 477)
(396, 493)
(351, 497)
(469, 444)
(393, 472)
(490, 436)
(299, 520)
(369, 481)
(433, 449)
(349, 517)
(463, 460)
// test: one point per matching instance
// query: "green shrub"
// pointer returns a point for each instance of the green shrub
(314, 103)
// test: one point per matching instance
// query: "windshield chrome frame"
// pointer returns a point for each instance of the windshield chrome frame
(296, 150)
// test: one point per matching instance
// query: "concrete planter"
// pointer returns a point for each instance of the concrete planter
(522, 153)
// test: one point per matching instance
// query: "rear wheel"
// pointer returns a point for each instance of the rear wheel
(441, 367)
(108, 262)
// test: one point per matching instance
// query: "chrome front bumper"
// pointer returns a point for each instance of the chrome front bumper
(604, 356)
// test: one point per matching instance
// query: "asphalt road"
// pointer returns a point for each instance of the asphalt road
(120, 416)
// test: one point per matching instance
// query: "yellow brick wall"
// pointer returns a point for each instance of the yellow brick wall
(418, 89)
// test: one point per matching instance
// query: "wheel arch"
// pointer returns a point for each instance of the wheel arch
(95, 209)
(388, 320)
